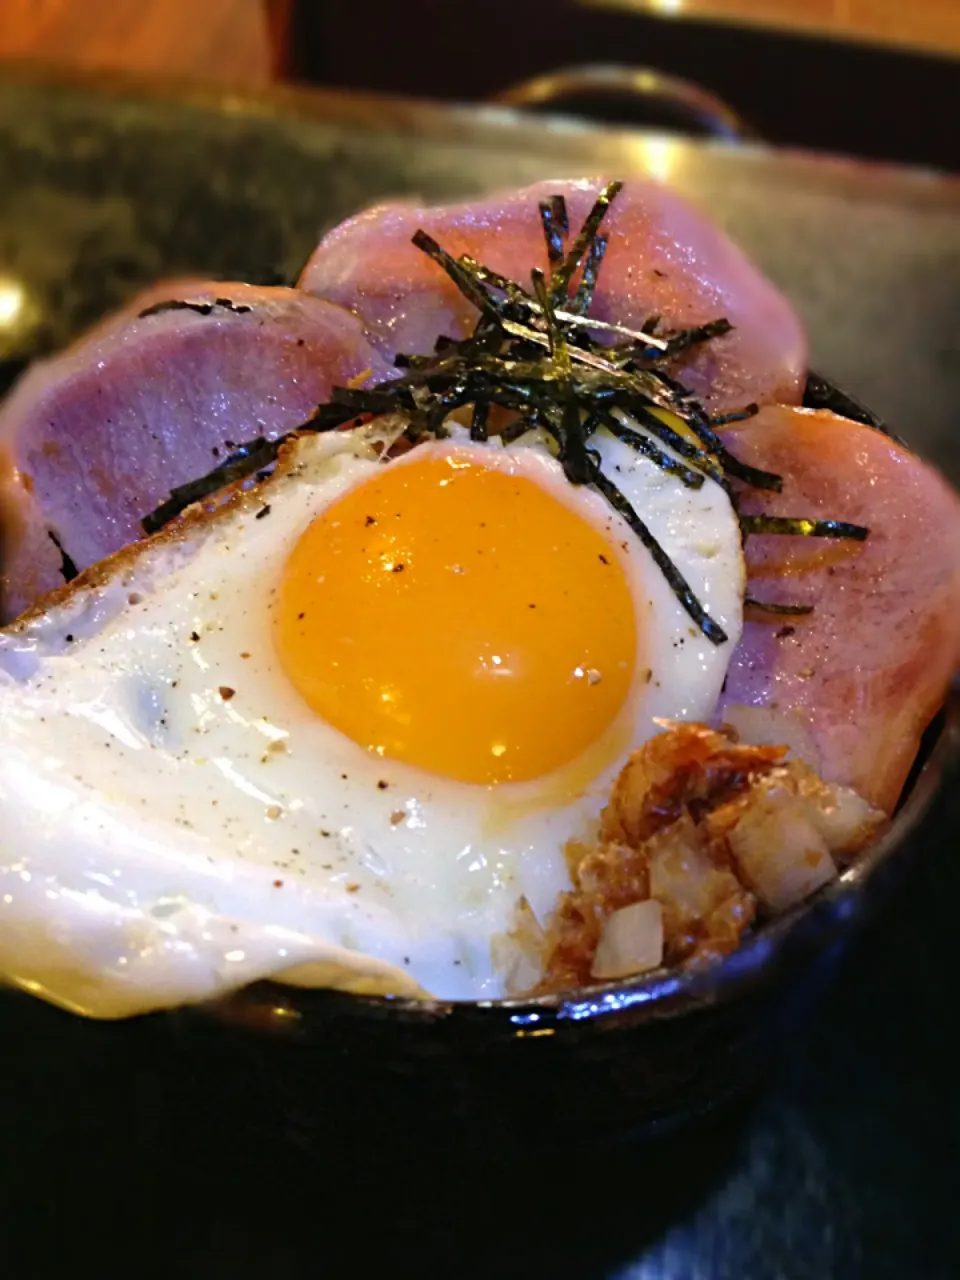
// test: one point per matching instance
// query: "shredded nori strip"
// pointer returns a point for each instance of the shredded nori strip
(553, 215)
(680, 444)
(535, 353)
(522, 303)
(681, 342)
(457, 273)
(769, 606)
(802, 526)
(478, 423)
(722, 419)
(643, 444)
(68, 566)
(678, 583)
(560, 278)
(588, 280)
(248, 460)
(201, 308)
(357, 400)
(752, 476)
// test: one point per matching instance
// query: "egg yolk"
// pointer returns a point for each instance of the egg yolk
(462, 619)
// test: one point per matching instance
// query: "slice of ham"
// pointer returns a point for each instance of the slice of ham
(664, 258)
(94, 438)
(867, 670)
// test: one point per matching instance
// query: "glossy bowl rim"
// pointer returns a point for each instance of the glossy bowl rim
(662, 993)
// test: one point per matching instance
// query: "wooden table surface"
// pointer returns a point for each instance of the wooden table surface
(222, 40)
(932, 25)
(229, 41)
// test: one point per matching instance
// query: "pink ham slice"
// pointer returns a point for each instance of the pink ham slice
(93, 439)
(867, 670)
(664, 258)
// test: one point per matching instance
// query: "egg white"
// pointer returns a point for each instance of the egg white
(177, 822)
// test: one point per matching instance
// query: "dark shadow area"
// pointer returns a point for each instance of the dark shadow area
(10, 371)
(123, 1145)
(860, 99)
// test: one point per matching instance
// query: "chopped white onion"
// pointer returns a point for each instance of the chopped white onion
(842, 816)
(682, 873)
(631, 942)
(765, 727)
(780, 853)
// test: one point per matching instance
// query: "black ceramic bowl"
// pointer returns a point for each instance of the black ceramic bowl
(632, 1057)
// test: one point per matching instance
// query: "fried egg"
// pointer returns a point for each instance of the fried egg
(338, 729)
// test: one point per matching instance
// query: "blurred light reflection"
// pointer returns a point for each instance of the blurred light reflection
(12, 299)
(659, 156)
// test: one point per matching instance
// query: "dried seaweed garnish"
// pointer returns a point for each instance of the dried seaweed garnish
(645, 445)
(478, 423)
(678, 584)
(553, 215)
(752, 476)
(68, 567)
(537, 354)
(241, 465)
(802, 526)
(573, 439)
(201, 308)
(771, 606)
(561, 276)
(681, 342)
(457, 273)
(739, 415)
(705, 461)
(588, 281)
(647, 343)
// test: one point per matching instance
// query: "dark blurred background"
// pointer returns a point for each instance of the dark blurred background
(871, 78)
(796, 83)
